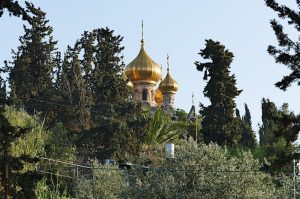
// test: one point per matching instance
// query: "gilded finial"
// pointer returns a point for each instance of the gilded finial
(142, 41)
(168, 69)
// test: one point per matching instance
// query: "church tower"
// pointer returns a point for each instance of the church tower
(168, 87)
(144, 74)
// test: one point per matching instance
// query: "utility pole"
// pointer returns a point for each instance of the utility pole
(293, 173)
(193, 104)
(196, 134)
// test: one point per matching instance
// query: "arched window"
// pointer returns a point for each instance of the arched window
(144, 94)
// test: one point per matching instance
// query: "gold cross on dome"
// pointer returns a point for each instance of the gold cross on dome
(168, 69)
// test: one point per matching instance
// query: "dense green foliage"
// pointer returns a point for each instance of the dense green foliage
(22, 141)
(248, 138)
(268, 124)
(118, 125)
(108, 182)
(86, 91)
(58, 145)
(247, 116)
(289, 50)
(198, 171)
(188, 124)
(31, 71)
(44, 191)
(219, 123)
(73, 94)
(161, 129)
(206, 171)
(14, 8)
(3, 97)
(278, 132)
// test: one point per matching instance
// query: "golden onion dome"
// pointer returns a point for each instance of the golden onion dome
(168, 84)
(143, 68)
(159, 97)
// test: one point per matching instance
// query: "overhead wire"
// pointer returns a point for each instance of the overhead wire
(58, 104)
(106, 167)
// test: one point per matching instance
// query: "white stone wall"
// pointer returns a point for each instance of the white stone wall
(138, 88)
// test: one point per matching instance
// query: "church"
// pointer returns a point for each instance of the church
(145, 77)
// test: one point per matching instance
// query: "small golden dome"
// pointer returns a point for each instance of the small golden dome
(168, 84)
(143, 68)
(158, 97)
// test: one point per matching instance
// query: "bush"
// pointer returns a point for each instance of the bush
(43, 191)
(107, 183)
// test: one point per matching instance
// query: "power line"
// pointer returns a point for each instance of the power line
(152, 168)
(50, 173)
(61, 105)
(68, 163)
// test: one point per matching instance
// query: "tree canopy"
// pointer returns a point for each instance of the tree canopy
(219, 123)
(14, 8)
(278, 132)
(288, 52)
(248, 138)
(31, 71)
(118, 124)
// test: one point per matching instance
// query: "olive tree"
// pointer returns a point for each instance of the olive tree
(206, 171)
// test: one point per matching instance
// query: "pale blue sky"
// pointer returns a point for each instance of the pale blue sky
(177, 28)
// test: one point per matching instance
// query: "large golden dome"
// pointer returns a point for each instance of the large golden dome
(143, 68)
(168, 84)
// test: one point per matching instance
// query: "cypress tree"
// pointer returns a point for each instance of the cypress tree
(118, 122)
(107, 81)
(86, 43)
(269, 110)
(247, 116)
(2, 91)
(31, 71)
(237, 113)
(219, 123)
(74, 94)
(288, 51)
(279, 130)
(248, 138)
